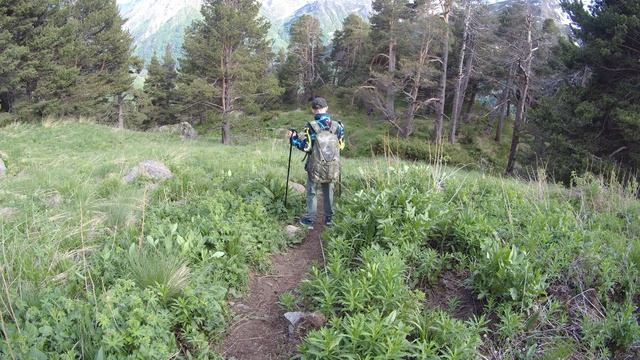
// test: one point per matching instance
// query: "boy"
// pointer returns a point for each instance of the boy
(322, 140)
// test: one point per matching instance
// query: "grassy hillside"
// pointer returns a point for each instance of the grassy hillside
(92, 266)
(424, 261)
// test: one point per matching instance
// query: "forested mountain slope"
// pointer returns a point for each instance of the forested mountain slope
(155, 24)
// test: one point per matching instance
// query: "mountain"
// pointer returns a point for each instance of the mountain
(156, 23)
(543, 9)
(330, 13)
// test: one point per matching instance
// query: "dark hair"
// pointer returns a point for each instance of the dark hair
(319, 103)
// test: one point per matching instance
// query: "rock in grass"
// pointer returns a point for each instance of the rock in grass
(149, 169)
(299, 188)
(3, 169)
(301, 323)
(184, 129)
(294, 317)
(292, 231)
(53, 199)
(8, 213)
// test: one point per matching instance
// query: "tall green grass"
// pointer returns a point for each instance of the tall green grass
(92, 267)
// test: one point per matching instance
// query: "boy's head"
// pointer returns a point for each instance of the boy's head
(319, 105)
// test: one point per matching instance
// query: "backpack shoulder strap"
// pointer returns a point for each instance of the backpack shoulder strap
(334, 127)
(315, 126)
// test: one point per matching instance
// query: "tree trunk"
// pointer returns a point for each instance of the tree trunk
(226, 130)
(6, 102)
(470, 102)
(414, 103)
(225, 96)
(121, 111)
(522, 103)
(515, 141)
(465, 82)
(407, 128)
(505, 104)
(437, 128)
(458, 97)
(391, 96)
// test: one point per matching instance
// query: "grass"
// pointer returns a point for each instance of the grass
(555, 270)
(75, 228)
(92, 267)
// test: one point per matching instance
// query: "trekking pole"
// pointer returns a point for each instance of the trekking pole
(286, 191)
(340, 183)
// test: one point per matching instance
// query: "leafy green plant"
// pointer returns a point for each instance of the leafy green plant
(446, 337)
(134, 323)
(288, 302)
(199, 315)
(505, 273)
(618, 331)
(511, 323)
(360, 336)
(51, 326)
(379, 284)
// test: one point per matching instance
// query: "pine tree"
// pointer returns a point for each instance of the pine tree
(103, 59)
(64, 58)
(350, 53)
(227, 53)
(169, 84)
(160, 88)
(302, 73)
(591, 122)
(28, 34)
(153, 90)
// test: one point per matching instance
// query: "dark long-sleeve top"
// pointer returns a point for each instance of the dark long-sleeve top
(304, 142)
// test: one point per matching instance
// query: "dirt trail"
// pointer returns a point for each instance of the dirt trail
(260, 330)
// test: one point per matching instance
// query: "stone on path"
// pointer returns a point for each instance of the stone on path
(300, 323)
(149, 169)
(292, 231)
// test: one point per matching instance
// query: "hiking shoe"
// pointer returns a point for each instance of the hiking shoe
(306, 222)
(327, 221)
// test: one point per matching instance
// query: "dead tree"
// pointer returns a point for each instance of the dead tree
(464, 71)
(439, 122)
(524, 70)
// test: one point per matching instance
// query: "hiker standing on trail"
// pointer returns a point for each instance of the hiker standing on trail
(322, 140)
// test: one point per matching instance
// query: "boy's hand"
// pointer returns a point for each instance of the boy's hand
(292, 133)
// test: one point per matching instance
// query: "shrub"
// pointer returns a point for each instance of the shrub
(199, 314)
(617, 332)
(134, 324)
(361, 336)
(52, 326)
(504, 273)
(438, 335)
(378, 284)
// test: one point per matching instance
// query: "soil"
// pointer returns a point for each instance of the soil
(451, 286)
(260, 331)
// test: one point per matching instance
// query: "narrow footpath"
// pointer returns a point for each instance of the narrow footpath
(260, 331)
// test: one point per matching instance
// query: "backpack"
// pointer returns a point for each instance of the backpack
(324, 162)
